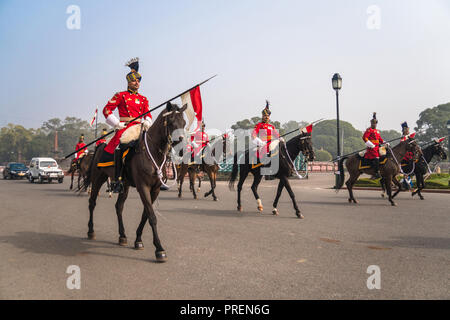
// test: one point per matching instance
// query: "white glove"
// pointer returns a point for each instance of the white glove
(147, 123)
(120, 126)
(258, 141)
(387, 144)
(370, 144)
(194, 144)
(282, 140)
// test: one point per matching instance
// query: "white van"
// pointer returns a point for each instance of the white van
(45, 169)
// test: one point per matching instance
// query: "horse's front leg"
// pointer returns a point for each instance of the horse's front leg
(181, 175)
(71, 181)
(256, 180)
(119, 209)
(144, 193)
(277, 197)
(292, 195)
(388, 185)
(192, 179)
(212, 179)
(138, 244)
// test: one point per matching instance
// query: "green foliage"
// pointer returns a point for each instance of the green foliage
(432, 122)
(322, 155)
(20, 144)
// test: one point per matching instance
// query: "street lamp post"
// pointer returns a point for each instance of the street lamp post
(337, 85)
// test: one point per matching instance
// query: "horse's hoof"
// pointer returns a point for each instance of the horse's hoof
(161, 256)
(179, 196)
(239, 209)
(354, 201)
(91, 235)
(422, 198)
(382, 195)
(299, 215)
(198, 190)
(275, 212)
(195, 197)
(393, 204)
(139, 245)
(110, 195)
(123, 241)
(260, 208)
(216, 199)
(349, 200)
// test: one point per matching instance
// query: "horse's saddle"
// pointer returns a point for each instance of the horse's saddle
(367, 163)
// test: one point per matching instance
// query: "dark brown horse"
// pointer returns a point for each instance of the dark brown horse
(80, 166)
(288, 152)
(142, 170)
(388, 170)
(420, 167)
(211, 167)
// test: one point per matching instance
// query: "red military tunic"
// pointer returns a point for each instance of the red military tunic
(78, 146)
(373, 135)
(266, 132)
(130, 105)
(201, 139)
(99, 142)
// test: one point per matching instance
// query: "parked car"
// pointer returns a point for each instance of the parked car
(45, 169)
(14, 170)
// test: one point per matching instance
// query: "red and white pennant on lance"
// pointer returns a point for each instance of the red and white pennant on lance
(193, 100)
(95, 116)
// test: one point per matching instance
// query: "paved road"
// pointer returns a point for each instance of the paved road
(217, 253)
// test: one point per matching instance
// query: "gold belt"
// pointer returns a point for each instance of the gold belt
(125, 119)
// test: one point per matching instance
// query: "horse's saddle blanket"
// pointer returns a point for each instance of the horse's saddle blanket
(107, 159)
(367, 163)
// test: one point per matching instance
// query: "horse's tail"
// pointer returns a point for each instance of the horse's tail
(234, 172)
(341, 180)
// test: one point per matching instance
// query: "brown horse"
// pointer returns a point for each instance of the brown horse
(81, 166)
(142, 170)
(211, 169)
(388, 170)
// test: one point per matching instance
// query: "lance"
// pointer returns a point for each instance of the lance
(349, 154)
(142, 115)
(317, 121)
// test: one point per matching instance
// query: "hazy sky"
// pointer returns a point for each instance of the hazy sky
(285, 51)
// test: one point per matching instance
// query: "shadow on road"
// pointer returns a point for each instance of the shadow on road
(62, 245)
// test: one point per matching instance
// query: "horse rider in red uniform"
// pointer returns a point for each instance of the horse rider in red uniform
(79, 147)
(130, 104)
(373, 140)
(99, 142)
(264, 133)
(199, 140)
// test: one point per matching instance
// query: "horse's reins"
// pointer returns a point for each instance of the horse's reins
(158, 168)
(399, 166)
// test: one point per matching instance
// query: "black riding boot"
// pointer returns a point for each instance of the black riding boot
(116, 185)
(376, 167)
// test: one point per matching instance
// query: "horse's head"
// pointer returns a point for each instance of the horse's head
(306, 145)
(174, 122)
(413, 146)
(437, 149)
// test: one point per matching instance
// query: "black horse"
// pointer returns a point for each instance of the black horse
(142, 170)
(287, 154)
(420, 167)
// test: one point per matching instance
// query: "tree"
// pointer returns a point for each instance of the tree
(322, 155)
(432, 123)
